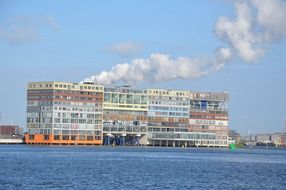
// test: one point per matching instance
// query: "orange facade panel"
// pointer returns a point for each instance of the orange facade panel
(62, 139)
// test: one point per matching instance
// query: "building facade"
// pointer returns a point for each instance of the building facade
(85, 113)
(278, 139)
(209, 114)
(124, 116)
(64, 113)
(11, 134)
(168, 117)
(263, 138)
(235, 136)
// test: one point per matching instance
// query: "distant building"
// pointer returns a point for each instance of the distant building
(10, 134)
(263, 138)
(85, 113)
(234, 136)
(278, 139)
(10, 131)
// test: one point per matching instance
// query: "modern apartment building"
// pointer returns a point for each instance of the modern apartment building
(85, 113)
(124, 116)
(64, 113)
(168, 117)
(184, 118)
(209, 115)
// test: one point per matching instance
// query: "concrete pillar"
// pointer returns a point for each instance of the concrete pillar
(108, 140)
(122, 141)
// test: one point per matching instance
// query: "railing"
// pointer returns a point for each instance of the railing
(125, 129)
(187, 136)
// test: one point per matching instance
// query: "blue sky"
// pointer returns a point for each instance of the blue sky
(73, 40)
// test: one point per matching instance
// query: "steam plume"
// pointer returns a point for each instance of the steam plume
(160, 67)
(256, 25)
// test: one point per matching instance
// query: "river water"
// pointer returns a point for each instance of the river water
(86, 167)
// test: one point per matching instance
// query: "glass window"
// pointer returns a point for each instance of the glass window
(122, 98)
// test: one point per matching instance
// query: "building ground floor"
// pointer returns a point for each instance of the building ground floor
(185, 143)
(67, 139)
(164, 139)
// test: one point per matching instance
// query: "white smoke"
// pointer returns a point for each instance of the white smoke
(161, 67)
(257, 24)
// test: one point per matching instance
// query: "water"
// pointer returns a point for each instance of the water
(71, 167)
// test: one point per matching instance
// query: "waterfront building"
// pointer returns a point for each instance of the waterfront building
(64, 113)
(10, 134)
(235, 136)
(168, 117)
(209, 115)
(85, 113)
(8, 131)
(278, 139)
(124, 116)
(263, 138)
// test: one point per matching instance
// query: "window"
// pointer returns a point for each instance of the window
(57, 137)
(65, 137)
(46, 137)
(31, 137)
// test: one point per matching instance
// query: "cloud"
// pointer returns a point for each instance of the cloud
(51, 21)
(19, 35)
(25, 29)
(125, 48)
(256, 25)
